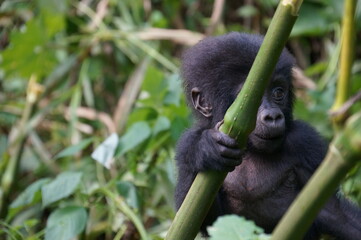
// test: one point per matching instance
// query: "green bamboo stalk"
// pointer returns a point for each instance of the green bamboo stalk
(239, 121)
(343, 154)
(346, 59)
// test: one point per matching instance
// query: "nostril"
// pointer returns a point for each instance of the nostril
(279, 117)
(268, 118)
(272, 117)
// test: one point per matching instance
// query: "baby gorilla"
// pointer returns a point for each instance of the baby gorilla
(281, 153)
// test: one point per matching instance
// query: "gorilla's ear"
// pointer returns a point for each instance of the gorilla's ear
(200, 103)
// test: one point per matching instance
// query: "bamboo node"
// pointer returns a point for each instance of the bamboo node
(294, 4)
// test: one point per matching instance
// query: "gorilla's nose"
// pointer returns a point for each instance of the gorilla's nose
(273, 118)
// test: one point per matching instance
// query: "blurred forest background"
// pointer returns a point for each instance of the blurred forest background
(75, 75)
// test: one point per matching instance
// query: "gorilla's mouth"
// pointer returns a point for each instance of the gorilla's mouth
(269, 137)
(269, 143)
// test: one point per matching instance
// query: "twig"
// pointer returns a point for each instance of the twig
(216, 16)
(91, 114)
(43, 153)
(180, 36)
(301, 80)
(341, 111)
(129, 96)
(147, 5)
(100, 14)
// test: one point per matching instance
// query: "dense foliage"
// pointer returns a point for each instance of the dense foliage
(103, 69)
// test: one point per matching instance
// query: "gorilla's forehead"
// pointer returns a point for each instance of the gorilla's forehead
(231, 52)
(221, 64)
(277, 78)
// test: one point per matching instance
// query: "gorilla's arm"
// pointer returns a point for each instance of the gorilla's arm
(201, 150)
(186, 157)
(340, 218)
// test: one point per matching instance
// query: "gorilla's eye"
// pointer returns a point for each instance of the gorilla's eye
(278, 94)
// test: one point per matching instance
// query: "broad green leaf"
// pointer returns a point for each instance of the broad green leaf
(33, 57)
(160, 125)
(178, 127)
(63, 186)
(129, 192)
(142, 114)
(232, 227)
(311, 21)
(175, 90)
(54, 23)
(153, 81)
(71, 150)
(135, 135)
(66, 223)
(104, 153)
(28, 196)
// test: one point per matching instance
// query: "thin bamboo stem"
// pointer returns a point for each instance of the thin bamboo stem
(346, 59)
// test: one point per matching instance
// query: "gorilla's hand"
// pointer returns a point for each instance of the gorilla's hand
(217, 151)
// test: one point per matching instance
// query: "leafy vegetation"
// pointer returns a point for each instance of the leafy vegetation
(234, 227)
(105, 68)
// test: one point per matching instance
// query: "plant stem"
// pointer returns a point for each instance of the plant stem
(344, 152)
(17, 145)
(239, 121)
(124, 208)
(346, 59)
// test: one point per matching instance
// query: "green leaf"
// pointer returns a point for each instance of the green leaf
(71, 150)
(142, 114)
(153, 81)
(33, 57)
(129, 192)
(178, 127)
(160, 125)
(312, 21)
(28, 196)
(63, 186)
(175, 90)
(136, 134)
(54, 23)
(66, 223)
(247, 11)
(232, 227)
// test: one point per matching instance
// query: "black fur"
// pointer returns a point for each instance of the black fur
(281, 154)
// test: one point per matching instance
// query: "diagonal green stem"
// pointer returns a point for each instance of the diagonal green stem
(344, 152)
